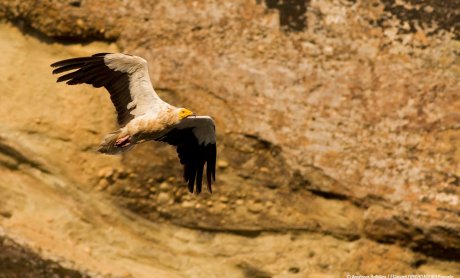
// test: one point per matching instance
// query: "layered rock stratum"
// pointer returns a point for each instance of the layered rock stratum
(338, 131)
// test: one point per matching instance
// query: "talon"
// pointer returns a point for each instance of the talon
(123, 141)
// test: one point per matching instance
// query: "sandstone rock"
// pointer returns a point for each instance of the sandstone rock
(106, 172)
(163, 197)
(102, 184)
(264, 170)
(222, 164)
(255, 207)
(349, 124)
(164, 186)
(187, 204)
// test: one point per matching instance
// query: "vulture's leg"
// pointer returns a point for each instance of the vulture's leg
(123, 141)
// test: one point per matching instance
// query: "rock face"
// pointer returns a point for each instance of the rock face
(338, 131)
(17, 261)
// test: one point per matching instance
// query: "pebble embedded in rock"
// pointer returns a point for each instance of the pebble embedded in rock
(222, 164)
(328, 51)
(102, 184)
(264, 170)
(106, 172)
(221, 207)
(164, 186)
(80, 22)
(87, 249)
(187, 204)
(163, 197)
(255, 207)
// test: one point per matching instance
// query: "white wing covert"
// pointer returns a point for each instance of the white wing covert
(125, 77)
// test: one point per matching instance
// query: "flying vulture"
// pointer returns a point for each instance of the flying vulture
(143, 115)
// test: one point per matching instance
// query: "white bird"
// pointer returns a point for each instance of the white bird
(143, 115)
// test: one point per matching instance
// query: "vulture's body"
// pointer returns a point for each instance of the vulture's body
(143, 115)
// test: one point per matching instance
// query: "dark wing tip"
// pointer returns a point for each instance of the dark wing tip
(194, 155)
(78, 60)
(102, 54)
(196, 159)
(55, 64)
(58, 70)
(190, 186)
(211, 165)
(199, 175)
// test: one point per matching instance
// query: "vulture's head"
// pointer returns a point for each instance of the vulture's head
(184, 113)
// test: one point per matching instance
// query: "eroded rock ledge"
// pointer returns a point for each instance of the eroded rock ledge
(18, 261)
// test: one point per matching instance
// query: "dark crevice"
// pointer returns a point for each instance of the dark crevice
(439, 15)
(16, 158)
(76, 3)
(264, 144)
(292, 13)
(253, 233)
(418, 263)
(25, 27)
(438, 251)
(329, 195)
(250, 271)
(18, 261)
(240, 232)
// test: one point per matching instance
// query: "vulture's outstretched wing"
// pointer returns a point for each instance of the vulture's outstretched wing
(195, 138)
(126, 78)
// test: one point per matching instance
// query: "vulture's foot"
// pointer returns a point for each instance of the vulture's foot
(123, 141)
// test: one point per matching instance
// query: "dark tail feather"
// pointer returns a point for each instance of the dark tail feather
(108, 145)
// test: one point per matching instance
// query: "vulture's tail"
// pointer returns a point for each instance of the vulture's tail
(110, 146)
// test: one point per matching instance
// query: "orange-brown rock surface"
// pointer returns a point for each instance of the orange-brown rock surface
(338, 130)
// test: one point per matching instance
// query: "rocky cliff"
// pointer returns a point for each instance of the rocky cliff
(337, 126)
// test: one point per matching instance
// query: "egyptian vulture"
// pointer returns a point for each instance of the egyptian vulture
(143, 115)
